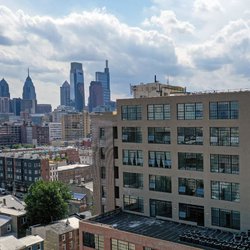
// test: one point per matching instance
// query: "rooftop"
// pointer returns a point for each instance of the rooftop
(73, 166)
(164, 229)
(31, 240)
(4, 219)
(10, 243)
(10, 201)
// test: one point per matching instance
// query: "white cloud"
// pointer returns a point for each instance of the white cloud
(207, 6)
(168, 23)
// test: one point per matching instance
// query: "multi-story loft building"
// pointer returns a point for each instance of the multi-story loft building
(19, 171)
(55, 131)
(181, 157)
(10, 133)
(75, 126)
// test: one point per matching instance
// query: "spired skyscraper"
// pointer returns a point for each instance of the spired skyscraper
(104, 78)
(29, 101)
(77, 96)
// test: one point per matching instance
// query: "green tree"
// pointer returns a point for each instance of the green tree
(47, 202)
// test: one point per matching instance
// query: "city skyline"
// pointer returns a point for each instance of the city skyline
(198, 44)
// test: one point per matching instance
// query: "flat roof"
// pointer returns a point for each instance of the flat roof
(10, 243)
(73, 166)
(158, 228)
(31, 239)
(11, 211)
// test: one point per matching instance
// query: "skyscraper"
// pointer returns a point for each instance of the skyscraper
(29, 96)
(4, 89)
(77, 97)
(65, 94)
(29, 92)
(104, 78)
(95, 95)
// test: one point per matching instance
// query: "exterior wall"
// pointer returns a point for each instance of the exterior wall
(105, 121)
(139, 240)
(75, 174)
(243, 151)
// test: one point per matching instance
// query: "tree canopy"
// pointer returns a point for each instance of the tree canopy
(47, 202)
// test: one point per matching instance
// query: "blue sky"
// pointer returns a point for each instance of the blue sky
(200, 44)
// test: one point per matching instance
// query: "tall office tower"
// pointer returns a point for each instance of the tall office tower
(29, 101)
(77, 96)
(104, 78)
(95, 95)
(4, 89)
(65, 94)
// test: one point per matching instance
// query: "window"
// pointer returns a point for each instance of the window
(132, 157)
(102, 153)
(224, 136)
(63, 237)
(225, 218)
(131, 112)
(191, 187)
(148, 248)
(115, 152)
(88, 239)
(190, 161)
(159, 135)
(102, 133)
(8, 227)
(103, 173)
(228, 164)
(159, 159)
(116, 172)
(160, 183)
(193, 213)
(99, 242)
(121, 245)
(103, 191)
(115, 133)
(133, 203)
(160, 208)
(38, 246)
(71, 245)
(224, 110)
(159, 112)
(190, 111)
(117, 192)
(132, 180)
(227, 191)
(190, 135)
(70, 235)
(131, 134)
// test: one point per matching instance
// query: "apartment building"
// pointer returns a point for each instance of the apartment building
(182, 157)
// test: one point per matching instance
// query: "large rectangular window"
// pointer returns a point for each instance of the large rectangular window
(159, 135)
(190, 161)
(159, 112)
(227, 191)
(121, 245)
(132, 157)
(225, 218)
(160, 208)
(224, 136)
(88, 239)
(228, 164)
(160, 183)
(131, 134)
(191, 187)
(159, 159)
(132, 180)
(190, 111)
(133, 203)
(190, 135)
(224, 110)
(131, 112)
(191, 212)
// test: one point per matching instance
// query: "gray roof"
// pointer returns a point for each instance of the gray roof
(10, 243)
(4, 219)
(31, 240)
(12, 202)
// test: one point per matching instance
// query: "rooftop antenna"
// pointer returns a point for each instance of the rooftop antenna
(168, 80)
(28, 72)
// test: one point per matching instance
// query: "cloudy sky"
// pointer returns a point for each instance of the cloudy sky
(200, 44)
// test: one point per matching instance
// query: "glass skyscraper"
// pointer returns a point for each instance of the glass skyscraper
(104, 78)
(77, 96)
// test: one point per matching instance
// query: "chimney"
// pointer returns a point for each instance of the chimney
(155, 79)
(4, 201)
